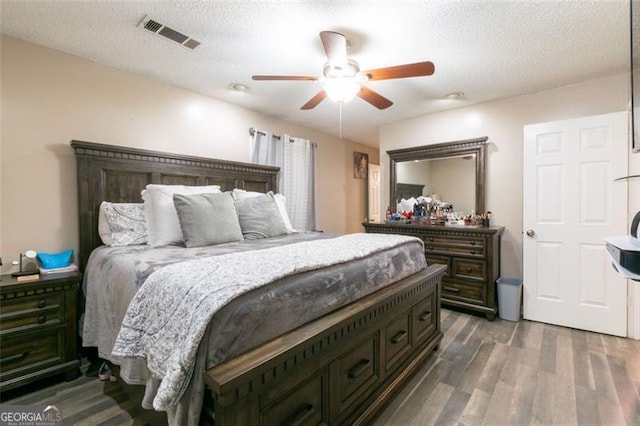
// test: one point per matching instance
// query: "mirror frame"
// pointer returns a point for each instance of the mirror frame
(475, 146)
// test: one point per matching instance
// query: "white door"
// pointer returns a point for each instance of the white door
(571, 203)
(374, 193)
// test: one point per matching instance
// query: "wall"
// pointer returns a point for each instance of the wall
(357, 202)
(50, 98)
(453, 180)
(418, 172)
(502, 121)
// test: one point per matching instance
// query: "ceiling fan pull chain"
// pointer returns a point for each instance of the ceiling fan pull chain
(340, 120)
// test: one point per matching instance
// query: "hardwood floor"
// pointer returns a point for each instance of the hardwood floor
(492, 373)
(504, 372)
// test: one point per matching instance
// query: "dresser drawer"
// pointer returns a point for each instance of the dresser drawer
(25, 353)
(455, 249)
(466, 292)
(470, 241)
(355, 372)
(304, 405)
(396, 340)
(424, 318)
(440, 260)
(469, 269)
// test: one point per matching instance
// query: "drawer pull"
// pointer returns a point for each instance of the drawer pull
(430, 247)
(42, 319)
(300, 416)
(399, 337)
(359, 368)
(42, 303)
(16, 357)
(468, 269)
(472, 251)
(473, 243)
(452, 289)
(424, 316)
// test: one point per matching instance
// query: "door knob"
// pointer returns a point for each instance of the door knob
(531, 232)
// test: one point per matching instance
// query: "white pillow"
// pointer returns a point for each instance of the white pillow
(122, 224)
(163, 227)
(282, 206)
(407, 205)
(239, 194)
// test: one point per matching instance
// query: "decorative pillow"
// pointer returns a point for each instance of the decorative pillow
(122, 224)
(56, 260)
(163, 227)
(260, 217)
(239, 194)
(207, 219)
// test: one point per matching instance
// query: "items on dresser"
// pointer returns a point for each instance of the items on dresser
(471, 254)
(38, 328)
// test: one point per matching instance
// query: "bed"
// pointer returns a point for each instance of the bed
(315, 363)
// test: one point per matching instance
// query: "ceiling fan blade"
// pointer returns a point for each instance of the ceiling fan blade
(374, 98)
(335, 47)
(284, 77)
(313, 102)
(419, 69)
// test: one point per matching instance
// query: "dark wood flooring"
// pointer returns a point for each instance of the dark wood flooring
(485, 372)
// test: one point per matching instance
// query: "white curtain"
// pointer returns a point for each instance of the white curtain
(296, 159)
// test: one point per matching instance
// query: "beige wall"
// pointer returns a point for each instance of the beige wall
(49, 98)
(502, 121)
(356, 190)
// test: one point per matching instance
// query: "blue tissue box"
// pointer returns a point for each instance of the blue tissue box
(55, 260)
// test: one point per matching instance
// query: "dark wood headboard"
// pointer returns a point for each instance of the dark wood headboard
(408, 190)
(118, 174)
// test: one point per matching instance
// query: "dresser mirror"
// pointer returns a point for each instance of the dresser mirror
(453, 172)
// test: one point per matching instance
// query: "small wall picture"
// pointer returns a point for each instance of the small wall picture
(360, 165)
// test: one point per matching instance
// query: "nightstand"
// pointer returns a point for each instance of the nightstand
(38, 328)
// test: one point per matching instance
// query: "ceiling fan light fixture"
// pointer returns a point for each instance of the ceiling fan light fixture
(341, 89)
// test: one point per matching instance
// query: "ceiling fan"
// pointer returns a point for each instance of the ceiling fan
(343, 79)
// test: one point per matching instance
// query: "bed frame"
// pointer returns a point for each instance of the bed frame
(339, 369)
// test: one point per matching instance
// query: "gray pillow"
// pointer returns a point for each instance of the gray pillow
(207, 219)
(260, 217)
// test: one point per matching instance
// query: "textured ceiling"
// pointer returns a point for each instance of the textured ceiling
(486, 49)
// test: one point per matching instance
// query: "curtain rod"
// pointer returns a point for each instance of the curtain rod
(253, 130)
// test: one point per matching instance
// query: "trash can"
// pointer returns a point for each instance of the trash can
(509, 298)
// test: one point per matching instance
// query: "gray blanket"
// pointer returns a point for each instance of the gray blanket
(115, 274)
(167, 318)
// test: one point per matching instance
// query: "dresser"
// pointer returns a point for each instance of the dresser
(472, 257)
(38, 328)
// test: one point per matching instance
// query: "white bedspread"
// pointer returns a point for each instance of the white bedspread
(168, 316)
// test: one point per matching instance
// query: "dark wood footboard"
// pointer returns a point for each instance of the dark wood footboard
(340, 369)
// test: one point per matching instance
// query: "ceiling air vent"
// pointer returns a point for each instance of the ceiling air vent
(169, 33)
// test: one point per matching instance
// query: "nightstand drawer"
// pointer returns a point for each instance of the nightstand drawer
(27, 313)
(30, 303)
(23, 354)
